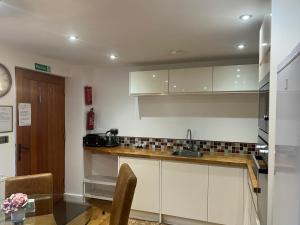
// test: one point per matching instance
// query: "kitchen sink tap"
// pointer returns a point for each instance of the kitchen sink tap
(189, 137)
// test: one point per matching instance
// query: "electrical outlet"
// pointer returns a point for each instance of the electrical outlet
(4, 139)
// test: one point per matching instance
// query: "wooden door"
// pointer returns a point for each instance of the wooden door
(41, 146)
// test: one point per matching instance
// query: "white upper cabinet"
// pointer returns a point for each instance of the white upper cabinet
(190, 80)
(264, 47)
(149, 82)
(237, 78)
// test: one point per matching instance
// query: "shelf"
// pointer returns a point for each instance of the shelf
(99, 179)
(100, 194)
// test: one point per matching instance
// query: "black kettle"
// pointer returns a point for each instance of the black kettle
(111, 138)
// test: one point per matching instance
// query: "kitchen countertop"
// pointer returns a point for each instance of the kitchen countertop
(225, 159)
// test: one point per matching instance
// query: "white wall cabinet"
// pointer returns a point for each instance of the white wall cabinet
(264, 47)
(225, 195)
(149, 82)
(190, 80)
(236, 78)
(184, 190)
(147, 192)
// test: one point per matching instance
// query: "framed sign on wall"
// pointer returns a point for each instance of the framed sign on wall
(6, 119)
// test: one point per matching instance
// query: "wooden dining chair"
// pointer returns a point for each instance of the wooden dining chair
(122, 200)
(33, 185)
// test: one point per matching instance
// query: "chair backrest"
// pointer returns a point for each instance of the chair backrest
(123, 196)
(38, 184)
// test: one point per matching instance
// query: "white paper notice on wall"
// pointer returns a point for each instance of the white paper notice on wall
(24, 114)
(6, 119)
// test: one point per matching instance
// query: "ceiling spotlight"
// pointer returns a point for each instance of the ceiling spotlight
(246, 17)
(113, 57)
(176, 51)
(238, 70)
(241, 46)
(73, 38)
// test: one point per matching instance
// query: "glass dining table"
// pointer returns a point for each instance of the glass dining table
(45, 209)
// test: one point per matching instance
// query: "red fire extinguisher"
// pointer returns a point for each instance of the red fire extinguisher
(88, 95)
(90, 119)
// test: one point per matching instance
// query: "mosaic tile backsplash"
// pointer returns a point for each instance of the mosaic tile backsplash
(181, 144)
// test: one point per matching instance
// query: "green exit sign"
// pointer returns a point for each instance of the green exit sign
(42, 67)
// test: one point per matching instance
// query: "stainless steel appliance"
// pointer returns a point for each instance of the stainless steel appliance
(263, 120)
(262, 157)
(260, 168)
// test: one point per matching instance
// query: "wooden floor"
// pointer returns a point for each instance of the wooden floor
(101, 212)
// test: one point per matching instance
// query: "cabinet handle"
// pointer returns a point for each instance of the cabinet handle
(286, 87)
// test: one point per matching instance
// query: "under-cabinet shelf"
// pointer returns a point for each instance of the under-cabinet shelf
(103, 195)
(100, 179)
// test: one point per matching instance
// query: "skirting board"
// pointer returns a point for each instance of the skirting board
(140, 215)
(72, 197)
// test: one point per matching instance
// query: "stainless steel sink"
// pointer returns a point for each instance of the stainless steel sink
(186, 153)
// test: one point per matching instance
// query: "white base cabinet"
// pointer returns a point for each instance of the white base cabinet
(201, 193)
(225, 195)
(250, 213)
(147, 192)
(184, 190)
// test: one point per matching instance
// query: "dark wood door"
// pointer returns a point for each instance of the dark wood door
(41, 146)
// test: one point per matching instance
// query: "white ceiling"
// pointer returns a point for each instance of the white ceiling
(139, 31)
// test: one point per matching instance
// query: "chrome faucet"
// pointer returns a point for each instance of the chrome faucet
(189, 137)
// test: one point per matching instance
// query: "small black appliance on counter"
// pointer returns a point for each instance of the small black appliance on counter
(93, 140)
(109, 139)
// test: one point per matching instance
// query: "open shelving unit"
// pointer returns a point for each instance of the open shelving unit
(100, 175)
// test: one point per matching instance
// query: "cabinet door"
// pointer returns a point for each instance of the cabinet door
(247, 200)
(184, 190)
(253, 217)
(191, 80)
(264, 47)
(235, 78)
(146, 196)
(225, 195)
(149, 82)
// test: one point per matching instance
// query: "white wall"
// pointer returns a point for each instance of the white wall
(223, 117)
(12, 58)
(285, 36)
(75, 128)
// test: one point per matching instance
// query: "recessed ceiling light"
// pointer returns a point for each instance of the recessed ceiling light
(73, 38)
(153, 75)
(241, 46)
(176, 51)
(174, 86)
(113, 57)
(246, 17)
(238, 70)
(238, 76)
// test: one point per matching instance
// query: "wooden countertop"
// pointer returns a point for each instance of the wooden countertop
(222, 159)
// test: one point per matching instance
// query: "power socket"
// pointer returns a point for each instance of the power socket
(4, 139)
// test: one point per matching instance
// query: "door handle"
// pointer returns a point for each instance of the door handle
(20, 149)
